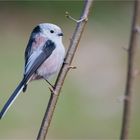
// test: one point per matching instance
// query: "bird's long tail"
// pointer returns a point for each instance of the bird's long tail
(12, 98)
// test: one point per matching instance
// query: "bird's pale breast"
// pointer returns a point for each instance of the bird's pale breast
(52, 64)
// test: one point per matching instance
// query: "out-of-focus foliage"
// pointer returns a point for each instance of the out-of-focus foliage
(89, 105)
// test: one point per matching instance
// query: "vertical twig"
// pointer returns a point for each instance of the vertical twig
(130, 74)
(64, 70)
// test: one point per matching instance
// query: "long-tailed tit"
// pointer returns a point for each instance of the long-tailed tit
(44, 56)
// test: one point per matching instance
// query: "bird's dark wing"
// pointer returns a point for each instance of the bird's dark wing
(38, 57)
(28, 50)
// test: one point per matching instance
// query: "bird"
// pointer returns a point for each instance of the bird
(44, 56)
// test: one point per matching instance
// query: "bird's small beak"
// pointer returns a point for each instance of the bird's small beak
(60, 34)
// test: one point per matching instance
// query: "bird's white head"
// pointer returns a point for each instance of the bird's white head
(51, 31)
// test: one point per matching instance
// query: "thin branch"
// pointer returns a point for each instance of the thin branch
(130, 73)
(64, 70)
(70, 17)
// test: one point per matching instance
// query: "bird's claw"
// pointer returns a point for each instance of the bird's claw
(52, 90)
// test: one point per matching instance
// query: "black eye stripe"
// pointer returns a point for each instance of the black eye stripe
(36, 29)
(51, 31)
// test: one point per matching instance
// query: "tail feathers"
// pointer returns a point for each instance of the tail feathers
(24, 88)
(12, 98)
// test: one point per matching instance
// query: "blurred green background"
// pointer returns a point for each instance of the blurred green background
(89, 106)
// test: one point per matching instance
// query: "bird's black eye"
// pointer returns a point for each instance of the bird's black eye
(51, 31)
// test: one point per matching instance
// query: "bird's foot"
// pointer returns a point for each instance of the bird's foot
(49, 83)
(52, 90)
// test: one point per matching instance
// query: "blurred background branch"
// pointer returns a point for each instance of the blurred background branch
(64, 70)
(131, 74)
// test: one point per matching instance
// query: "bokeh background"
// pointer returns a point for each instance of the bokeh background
(90, 105)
